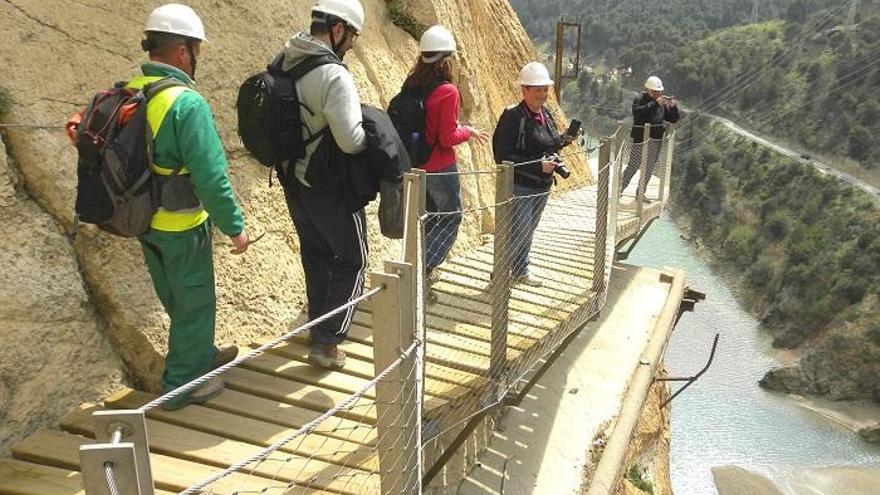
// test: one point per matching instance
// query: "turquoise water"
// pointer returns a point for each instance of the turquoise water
(725, 418)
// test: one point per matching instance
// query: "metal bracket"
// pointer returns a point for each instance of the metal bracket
(121, 456)
(690, 380)
(130, 426)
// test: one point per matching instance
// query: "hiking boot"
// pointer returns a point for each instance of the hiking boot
(206, 392)
(224, 355)
(328, 357)
(528, 279)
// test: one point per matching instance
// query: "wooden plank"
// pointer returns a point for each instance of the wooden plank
(462, 265)
(468, 372)
(482, 262)
(361, 365)
(212, 450)
(308, 396)
(277, 366)
(437, 324)
(452, 342)
(578, 285)
(262, 433)
(564, 293)
(297, 394)
(257, 408)
(477, 300)
(541, 306)
(25, 478)
(61, 450)
(480, 289)
(562, 251)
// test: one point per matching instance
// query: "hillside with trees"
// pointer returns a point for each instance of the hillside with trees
(803, 250)
(805, 73)
(812, 82)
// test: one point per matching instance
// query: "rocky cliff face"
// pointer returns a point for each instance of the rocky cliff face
(78, 316)
(843, 365)
(53, 346)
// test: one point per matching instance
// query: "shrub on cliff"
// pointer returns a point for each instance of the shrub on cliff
(396, 10)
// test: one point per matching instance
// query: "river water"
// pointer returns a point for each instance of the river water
(725, 418)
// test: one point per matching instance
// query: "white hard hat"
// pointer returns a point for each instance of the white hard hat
(654, 84)
(534, 74)
(437, 39)
(350, 11)
(175, 18)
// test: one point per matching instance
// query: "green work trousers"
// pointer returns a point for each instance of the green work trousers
(182, 268)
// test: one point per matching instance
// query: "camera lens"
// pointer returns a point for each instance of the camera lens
(562, 170)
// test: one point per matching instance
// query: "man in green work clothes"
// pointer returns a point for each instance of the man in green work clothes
(177, 247)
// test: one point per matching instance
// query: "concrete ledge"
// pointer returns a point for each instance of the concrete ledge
(543, 446)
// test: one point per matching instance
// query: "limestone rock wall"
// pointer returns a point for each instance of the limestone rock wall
(53, 349)
(77, 316)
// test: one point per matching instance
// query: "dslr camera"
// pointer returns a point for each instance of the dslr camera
(560, 169)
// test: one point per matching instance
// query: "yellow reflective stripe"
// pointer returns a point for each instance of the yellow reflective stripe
(157, 110)
(167, 171)
(171, 221)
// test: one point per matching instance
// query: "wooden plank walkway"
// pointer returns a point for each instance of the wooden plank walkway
(278, 392)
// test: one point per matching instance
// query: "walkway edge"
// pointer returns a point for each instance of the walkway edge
(610, 467)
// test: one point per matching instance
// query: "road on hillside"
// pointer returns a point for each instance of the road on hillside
(822, 167)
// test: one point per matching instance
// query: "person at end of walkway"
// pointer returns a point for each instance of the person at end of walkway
(432, 76)
(527, 133)
(333, 239)
(654, 108)
(177, 248)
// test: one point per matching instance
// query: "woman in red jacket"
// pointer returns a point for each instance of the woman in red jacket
(432, 77)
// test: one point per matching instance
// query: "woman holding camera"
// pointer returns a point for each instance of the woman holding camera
(527, 135)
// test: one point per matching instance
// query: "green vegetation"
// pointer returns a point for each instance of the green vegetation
(804, 73)
(805, 247)
(5, 100)
(813, 82)
(396, 10)
(645, 35)
(639, 478)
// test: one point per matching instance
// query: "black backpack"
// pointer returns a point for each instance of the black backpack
(114, 143)
(268, 107)
(407, 112)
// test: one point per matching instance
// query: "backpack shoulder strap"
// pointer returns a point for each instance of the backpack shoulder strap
(150, 91)
(154, 88)
(311, 63)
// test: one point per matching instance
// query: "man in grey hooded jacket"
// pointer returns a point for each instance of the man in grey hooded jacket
(333, 239)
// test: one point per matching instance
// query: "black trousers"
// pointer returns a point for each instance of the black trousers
(333, 246)
(635, 161)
